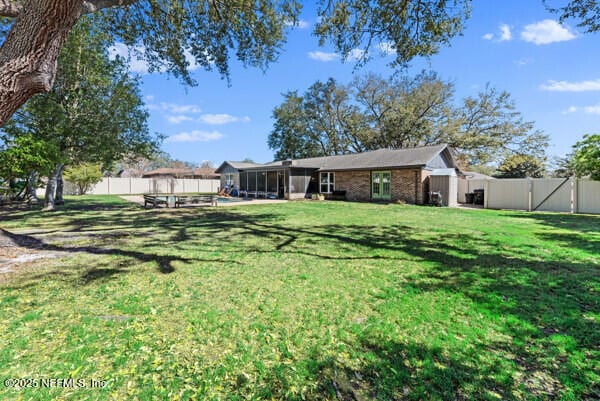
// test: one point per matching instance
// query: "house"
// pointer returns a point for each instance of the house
(169, 173)
(384, 174)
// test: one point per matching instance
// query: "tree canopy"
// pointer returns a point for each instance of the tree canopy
(94, 113)
(84, 176)
(373, 113)
(586, 157)
(521, 166)
(172, 34)
(586, 12)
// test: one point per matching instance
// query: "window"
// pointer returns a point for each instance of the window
(229, 179)
(327, 183)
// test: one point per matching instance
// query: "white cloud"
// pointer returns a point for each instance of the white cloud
(300, 24)
(175, 113)
(195, 136)
(174, 108)
(137, 64)
(178, 119)
(592, 109)
(523, 61)
(386, 48)
(587, 109)
(323, 56)
(545, 32)
(505, 34)
(566, 86)
(219, 119)
(355, 55)
(570, 110)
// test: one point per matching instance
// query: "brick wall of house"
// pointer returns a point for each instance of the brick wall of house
(357, 184)
(407, 185)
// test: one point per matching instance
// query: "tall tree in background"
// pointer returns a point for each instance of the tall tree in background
(404, 112)
(491, 129)
(94, 113)
(586, 157)
(374, 113)
(290, 136)
(170, 34)
(520, 166)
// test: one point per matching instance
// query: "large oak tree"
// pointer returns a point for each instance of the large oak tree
(93, 114)
(402, 112)
(166, 32)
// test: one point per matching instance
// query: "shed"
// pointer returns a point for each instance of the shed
(445, 181)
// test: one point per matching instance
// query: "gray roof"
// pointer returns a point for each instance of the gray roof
(238, 165)
(381, 158)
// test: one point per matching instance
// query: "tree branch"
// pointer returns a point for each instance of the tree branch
(91, 6)
(10, 8)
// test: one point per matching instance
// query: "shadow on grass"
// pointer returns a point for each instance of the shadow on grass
(573, 222)
(544, 302)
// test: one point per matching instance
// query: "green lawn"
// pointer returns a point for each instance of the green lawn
(304, 300)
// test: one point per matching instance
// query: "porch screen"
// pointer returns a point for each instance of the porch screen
(251, 181)
(272, 182)
(261, 181)
(243, 181)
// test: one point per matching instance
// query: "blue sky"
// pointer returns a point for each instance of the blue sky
(550, 70)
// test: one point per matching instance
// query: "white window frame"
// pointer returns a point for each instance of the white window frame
(229, 179)
(330, 182)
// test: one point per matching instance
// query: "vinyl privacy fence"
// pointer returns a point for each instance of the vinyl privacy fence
(129, 186)
(543, 194)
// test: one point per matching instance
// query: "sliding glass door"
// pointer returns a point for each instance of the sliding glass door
(381, 185)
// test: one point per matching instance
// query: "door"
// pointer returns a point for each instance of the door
(381, 185)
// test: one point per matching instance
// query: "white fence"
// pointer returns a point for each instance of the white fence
(468, 186)
(128, 186)
(543, 194)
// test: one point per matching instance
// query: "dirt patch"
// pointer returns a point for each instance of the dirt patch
(16, 250)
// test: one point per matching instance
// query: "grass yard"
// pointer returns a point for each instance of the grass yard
(303, 301)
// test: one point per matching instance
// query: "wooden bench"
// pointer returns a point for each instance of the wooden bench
(336, 195)
(181, 200)
(154, 201)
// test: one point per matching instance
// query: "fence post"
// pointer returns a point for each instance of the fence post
(108, 185)
(529, 194)
(574, 195)
(130, 188)
(486, 193)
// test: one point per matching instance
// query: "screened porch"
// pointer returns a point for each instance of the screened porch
(284, 183)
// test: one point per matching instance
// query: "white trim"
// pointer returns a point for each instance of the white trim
(330, 185)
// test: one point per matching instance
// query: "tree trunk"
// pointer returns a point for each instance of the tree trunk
(30, 194)
(29, 54)
(60, 184)
(50, 202)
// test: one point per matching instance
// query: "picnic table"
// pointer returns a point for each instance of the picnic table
(170, 200)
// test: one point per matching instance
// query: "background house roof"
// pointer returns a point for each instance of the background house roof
(182, 172)
(471, 175)
(238, 165)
